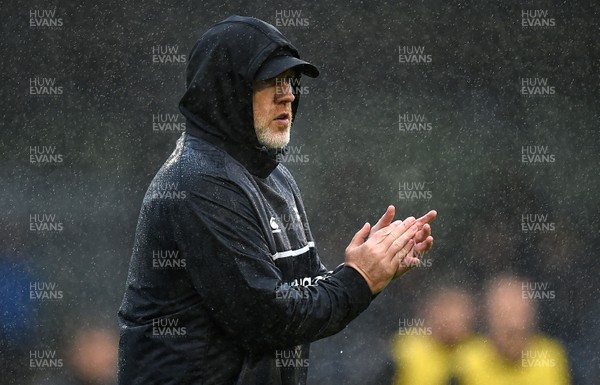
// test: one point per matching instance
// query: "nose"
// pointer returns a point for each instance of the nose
(284, 92)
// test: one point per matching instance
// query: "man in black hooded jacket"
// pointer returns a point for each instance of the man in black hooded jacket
(225, 285)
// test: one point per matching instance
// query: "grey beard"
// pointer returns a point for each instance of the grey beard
(272, 142)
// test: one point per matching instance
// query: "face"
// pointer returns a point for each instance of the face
(272, 106)
(450, 315)
(511, 319)
(94, 356)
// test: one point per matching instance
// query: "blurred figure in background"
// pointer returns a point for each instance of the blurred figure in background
(91, 360)
(514, 353)
(425, 350)
(16, 319)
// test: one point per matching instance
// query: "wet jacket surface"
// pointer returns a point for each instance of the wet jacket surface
(225, 284)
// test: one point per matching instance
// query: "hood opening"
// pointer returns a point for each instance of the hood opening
(218, 101)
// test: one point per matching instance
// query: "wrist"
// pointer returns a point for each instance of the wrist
(372, 286)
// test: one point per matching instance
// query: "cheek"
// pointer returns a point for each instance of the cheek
(260, 116)
(255, 104)
(261, 102)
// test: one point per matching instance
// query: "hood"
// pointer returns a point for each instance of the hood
(218, 101)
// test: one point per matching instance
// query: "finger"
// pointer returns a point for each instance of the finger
(405, 250)
(400, 239)
(381, 235)
(412, 260)
(387, 235)
(427, 218)
(422, 234)
(408, 263)
(385, 220)
(360, 236)
(400, 255)
(422, 247)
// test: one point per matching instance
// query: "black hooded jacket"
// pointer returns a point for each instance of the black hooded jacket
(225, 285)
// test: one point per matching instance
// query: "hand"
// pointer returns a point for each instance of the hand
(379, 258)
(385, 220)
(408, 261)
(423, 242)
(423, 238)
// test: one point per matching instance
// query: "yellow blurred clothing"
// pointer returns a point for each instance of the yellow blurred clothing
(421, 360)
(543, 362)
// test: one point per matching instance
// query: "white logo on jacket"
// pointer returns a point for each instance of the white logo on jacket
(274, 226)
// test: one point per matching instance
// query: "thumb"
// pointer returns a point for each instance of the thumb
(360, 236)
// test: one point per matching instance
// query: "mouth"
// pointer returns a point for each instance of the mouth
(283, 118)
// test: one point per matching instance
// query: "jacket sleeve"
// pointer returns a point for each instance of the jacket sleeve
(230, 265)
